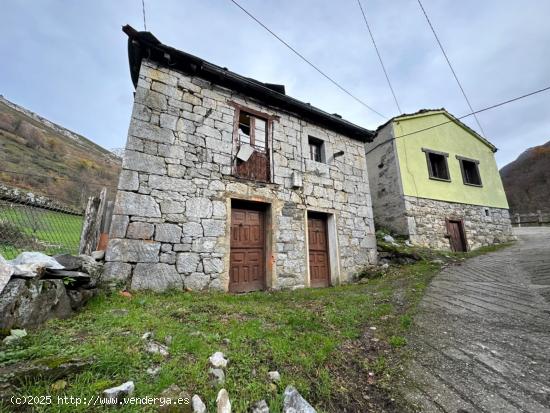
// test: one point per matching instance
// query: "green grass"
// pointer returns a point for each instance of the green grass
(303, 334)
(38, 229)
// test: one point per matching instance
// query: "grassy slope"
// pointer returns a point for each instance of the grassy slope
(320, 340)
(62, 168)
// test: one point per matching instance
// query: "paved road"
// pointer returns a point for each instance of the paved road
(482, 339)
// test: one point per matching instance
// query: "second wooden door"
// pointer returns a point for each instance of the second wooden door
(319, 267)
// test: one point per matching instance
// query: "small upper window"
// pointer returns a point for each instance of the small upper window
(470, 171)
(437, 165)
(315, 149)
(252, 130)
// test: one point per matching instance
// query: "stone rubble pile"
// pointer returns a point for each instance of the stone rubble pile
(35, 287)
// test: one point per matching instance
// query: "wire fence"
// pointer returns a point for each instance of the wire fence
(29, 223)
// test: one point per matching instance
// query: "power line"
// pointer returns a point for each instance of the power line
(307, 61)
(480, 110)
(143, 10)
(379, 56)
(451, 66)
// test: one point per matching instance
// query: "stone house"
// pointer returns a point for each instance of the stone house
(229, 184)
(436, 180)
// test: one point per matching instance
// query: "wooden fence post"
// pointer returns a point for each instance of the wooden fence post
(91, 229)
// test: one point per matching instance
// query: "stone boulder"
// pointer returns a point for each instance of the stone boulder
(293, 402)
(30, 302)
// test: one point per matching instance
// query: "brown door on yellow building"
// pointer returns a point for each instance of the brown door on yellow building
(319, 268)
(457, 236)
(247, 260)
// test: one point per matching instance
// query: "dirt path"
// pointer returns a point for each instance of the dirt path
(482, 338)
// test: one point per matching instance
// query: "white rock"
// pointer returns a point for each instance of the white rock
(217, 375)
(124, 389)
(260, 407)
(198, 405)
(389, 238)
(218, 360)
(294, 403)
(98, 255)
(153, 371)
(222, 402)
(147, 336)
(274, 376)
(14, 336)
(154, 347)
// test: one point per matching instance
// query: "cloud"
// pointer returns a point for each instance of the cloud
(68, 62)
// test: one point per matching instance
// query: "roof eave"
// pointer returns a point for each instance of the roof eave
(144, 45)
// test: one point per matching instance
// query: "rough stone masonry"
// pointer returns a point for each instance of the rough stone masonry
(171, 223)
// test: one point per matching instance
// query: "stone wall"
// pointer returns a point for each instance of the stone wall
(170, 227)
(388, 202)
(428, 228)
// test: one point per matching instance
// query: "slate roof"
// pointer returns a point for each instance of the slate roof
(145, 45)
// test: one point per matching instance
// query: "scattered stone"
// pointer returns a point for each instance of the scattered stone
(218, 360)
(119, 312)
(372, 328)
(26, 303)
(125, 389)
(260, 407)
(408, 243)
(68, 262)
(15, 335)
(226, 341)
(389, 238)
(155, 347)
(294, 402)
(147, 336)
(217, 376)
(437, 261)
(49, 368)
(168, 340)
(222, 402)
(153, 371)
(198, 405)
(274, 376)
(385, 266)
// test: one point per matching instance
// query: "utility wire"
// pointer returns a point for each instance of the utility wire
(481, 110)
(451, 67)
(379, 56)
(307, 61)
(143, 10)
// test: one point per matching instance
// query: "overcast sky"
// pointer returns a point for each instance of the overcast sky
(67, 60)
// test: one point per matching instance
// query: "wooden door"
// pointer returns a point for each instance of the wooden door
(247, 261)
(457, 236)
(319, 268)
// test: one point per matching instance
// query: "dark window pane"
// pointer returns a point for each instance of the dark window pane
(315, 149)
(438, 166)
(471, 172)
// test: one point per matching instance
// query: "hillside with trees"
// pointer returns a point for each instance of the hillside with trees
(47, 159)
(527, 180)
